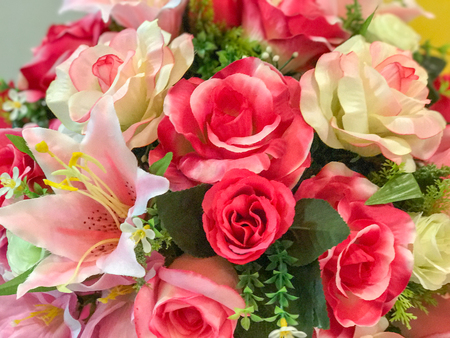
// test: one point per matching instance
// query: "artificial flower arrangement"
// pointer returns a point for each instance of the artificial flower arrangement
(238, 168)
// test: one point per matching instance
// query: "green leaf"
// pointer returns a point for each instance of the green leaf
(245, 323)
(160, 166)
(10, 287)
(312, 308)
(317, 227)
(401, 187)
(181, 214)
(20, 144)
(366, 24)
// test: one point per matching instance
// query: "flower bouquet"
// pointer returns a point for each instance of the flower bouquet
(227, 168)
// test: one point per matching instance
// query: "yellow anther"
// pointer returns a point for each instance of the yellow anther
(138, 235)
(42, 147)
(63, 185)
(8, 182)
(117, 291)
(77, 155)
(47, 315)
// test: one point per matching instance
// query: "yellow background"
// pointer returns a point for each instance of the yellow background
(436, 30)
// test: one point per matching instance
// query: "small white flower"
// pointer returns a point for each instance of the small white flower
(286, 331)
(139, 233)
(15, 105)
(10, 184)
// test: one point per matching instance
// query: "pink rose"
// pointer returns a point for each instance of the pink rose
(245, 213)
(245, 116)
(435, 324)
(292, 26)
(61, 41)
(10, 157)
(192, 298)
(132, 13)
(369, 269)
(442, 155)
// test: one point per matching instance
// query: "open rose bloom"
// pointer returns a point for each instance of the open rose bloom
(245, 116)
(135, 68)
(372, 266)
(291, 26)
(370, 99)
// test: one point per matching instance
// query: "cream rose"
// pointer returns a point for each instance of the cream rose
(370, 99)
(432, 251)
(136, 68)
(393, 30)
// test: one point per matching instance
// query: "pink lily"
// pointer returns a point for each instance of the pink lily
(98, 186)
(43, 315)
(113, 315)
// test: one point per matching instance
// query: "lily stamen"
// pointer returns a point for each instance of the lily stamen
(47, 314)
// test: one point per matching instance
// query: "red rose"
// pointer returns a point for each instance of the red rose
(369, 269)
(245, 116)
(227, 12)
(292, 26)
(61, 41)
(245, 213)
(10, 157)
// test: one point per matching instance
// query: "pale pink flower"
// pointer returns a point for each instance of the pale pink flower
(135, 67)
(80, 224)
(370, 99)
(43, 315)
(132, 13)
(114, 311)
(405, 9)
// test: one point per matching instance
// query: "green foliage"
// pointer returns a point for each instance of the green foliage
(162, 239)
(437, 197)
(399, 188)
(414, 296)
(20, 144)
(311, 306)
(10, 287)
(160, 166)
(354, 21)
(37, 112)
(181, 215)
(3, 85)
(215, 47)
(388, 171)
(321, 155)
(434, 65)
(25, 190)
(280, 260)
(432, 182)
(317, 227)
(249, 282)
